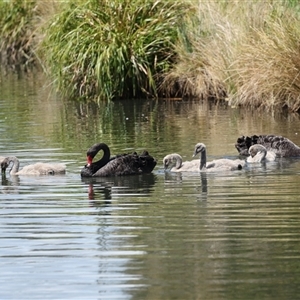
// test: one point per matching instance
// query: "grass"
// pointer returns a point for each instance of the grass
(246, 53)
(16, 31)
(112, 49)
(253, 60)
(20, 31)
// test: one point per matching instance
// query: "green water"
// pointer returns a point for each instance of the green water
(155, 236)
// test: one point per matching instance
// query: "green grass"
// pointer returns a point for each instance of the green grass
(111, 49)
(244, 52)
(20, 31)
(16, 31)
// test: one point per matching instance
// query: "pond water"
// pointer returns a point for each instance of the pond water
(156, 236)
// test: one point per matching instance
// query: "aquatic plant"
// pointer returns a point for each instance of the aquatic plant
(105, 49)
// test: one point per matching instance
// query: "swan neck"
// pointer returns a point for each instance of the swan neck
(16, 164)
(262, 155)
(203, 160)
(178, 162)
(106, 154)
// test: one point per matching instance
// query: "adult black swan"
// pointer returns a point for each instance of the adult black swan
(281, 146)
(122, 164)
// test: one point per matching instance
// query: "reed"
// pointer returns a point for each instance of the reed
(250, 60)
(106, 49)
(16, 31)
(20, 30)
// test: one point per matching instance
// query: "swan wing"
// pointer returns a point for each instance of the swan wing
(271, 156)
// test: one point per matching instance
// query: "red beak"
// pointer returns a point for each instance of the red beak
(89, 160)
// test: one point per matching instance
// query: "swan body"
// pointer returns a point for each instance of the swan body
(34, 169)
(123, 164)
(281, 146)
(259, 153)
(223, 164)
(174, 163)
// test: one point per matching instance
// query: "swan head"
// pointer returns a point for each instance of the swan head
(199, 148)
(257, 149)
(4, 165)
(172, 160)
(92, 152)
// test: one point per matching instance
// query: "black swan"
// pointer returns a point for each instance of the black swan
(281, 146)
(259, 153)
(123, 164)
(223, 164)
(35, 169)
(174, 163)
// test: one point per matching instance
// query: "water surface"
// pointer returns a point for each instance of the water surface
(155, 236)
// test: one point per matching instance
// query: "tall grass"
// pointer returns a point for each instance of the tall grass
(16, 31)
(246, 52)
(20, 30)
(105, 49)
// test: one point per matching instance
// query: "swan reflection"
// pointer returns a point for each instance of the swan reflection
(106, 188)
(9, 185)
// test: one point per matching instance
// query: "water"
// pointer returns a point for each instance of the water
(155, 236)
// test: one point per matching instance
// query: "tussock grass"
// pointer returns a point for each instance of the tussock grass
(105, 49)
(250, 60)
(16, 31)
(244, 52)
(20, 30)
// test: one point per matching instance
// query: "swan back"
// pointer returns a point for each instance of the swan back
(128, 164)
(43, 169)
(226, 164)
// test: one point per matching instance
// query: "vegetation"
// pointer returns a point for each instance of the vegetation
(16, 31)
(20, 30)
(253, 59)
(244, 52)
(108, 49)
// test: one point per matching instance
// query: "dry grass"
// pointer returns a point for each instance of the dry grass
(251, 60)
(245, 52)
